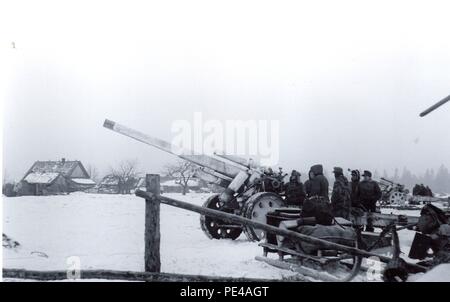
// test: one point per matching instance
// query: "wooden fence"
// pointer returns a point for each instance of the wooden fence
(152, 257)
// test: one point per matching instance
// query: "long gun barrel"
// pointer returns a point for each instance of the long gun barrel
(219, 167)
(387, 180)
(435, 106)
(391, 182)
(234, 159)
(216, 169)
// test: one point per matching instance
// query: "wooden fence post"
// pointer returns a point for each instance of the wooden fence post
(152, 231)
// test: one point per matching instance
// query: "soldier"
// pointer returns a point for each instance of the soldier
(423, 190)
(268, 187)
(317, 184)
(368, 193)
(295, 193)
(416, 190)
(354, 185)
(429, 192)
(340, 198)
(434, 223)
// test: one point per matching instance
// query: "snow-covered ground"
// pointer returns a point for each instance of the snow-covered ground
(107, 232)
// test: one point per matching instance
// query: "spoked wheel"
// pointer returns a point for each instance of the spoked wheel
(215, 228)
(398, 198)
(256, 208)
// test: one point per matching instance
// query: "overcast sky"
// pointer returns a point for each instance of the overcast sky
(346, 79)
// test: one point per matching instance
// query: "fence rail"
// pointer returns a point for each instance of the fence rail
(152, 261)
(126, 276)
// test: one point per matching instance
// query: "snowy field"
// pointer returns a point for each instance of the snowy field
(107, 232)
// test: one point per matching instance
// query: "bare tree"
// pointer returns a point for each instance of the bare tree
(93, 173)
(127, 175)
(182, 171)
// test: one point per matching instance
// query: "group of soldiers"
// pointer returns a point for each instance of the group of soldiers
(346, 195)
(361, 195)
(422, 190)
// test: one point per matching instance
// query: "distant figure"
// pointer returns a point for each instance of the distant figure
(416, 190)
(368, 193)
(295, 192)
(268, 185)
(429, 192)
(317, 184)
(355, 178)
(341, 196)
(422, 190)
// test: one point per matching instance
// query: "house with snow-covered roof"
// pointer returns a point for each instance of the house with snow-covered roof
(114, 184)
(55, 177)
(174, 186)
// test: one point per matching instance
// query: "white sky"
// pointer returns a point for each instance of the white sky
(346, 79)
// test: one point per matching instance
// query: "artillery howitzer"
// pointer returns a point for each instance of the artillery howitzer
(396, 194)
(392, 193)
(249, 190)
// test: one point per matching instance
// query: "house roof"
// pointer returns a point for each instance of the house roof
(113, 180)
(83, 181)
(174, 183)
(64, 167)
(110, 180)
(41, 178)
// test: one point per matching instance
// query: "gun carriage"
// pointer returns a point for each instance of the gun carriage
(249, 190)
(252, 196)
